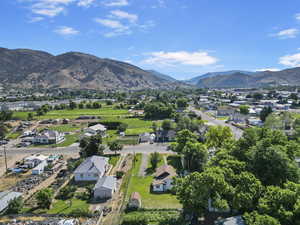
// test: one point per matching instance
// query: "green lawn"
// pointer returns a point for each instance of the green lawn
(66, 127)
(64, 207)
(113, 160)
(150, 200)
(137, 131)
(14, 135)
(72, 114)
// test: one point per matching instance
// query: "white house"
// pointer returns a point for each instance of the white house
(34, 160)
(39, 169)
(91, 169)
(49, 137)
(163, 178)
(146, 137)
(105, 187)
(96, 129)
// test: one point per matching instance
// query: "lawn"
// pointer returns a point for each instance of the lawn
(66, 127)
(150, 200)
(113, 160)
(14, 135)
(72, 114)
(64, 206)
(137, 131)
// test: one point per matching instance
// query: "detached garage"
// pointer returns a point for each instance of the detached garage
(105, 187)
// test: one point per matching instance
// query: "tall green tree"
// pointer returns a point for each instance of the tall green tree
(217, 136)
(44, 198)
(15, 206)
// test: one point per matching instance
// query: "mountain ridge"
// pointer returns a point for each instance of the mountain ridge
(26, 68)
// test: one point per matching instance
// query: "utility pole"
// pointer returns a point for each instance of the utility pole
(5, 158)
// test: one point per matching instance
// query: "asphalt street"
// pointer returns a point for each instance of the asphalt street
(236, 131)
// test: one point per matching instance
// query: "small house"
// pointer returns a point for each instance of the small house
(96, 129)
(34, 160)
(105, 187)
(163, 178)
(165, 135)
(146, 137)
(91, 169)
(49, 137)
(39, 169)
(235, 220)
(135, 201)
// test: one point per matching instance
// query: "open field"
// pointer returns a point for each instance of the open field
(150, 200)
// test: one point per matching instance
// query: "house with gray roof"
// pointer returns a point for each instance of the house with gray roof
(105, 187)
(6, 197)
(235, 220)
(91, 169)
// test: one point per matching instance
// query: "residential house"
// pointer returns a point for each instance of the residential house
(49, 137)
(96, 129)
(163, 178)
(39, 169)
(105, 187)
(34, 160)
(91, 169)
(146, 137)
(253, 121)
(165, 135)
(6, 197)
(236, 220)
(135, 201)
(237, 117)
(225, 111)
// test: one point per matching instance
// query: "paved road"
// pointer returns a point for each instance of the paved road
(236, 131)
(141, 148)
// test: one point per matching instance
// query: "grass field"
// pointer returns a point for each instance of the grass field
(64, 207)
(150, 200)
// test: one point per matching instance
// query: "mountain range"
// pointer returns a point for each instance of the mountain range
(259, 79)
(196, 79)
(25, 68)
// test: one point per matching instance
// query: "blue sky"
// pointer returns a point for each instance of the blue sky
(182, 38)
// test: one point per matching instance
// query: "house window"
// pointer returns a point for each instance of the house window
(81, 175)
(95, 175)
(157, 186)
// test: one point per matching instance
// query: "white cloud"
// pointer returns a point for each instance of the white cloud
(66, 31)
(267, 69)
(290, 60)
(36, 19)
(48, 8)
(85, 3)
(288, 33)
(199, 58)
(114, 24)
(116, 3)
(117, 28)
(119, 14)
(297, 16)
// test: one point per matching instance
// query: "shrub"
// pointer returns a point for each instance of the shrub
(119, 174)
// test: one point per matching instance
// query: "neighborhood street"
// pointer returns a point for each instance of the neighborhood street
(236, 131)
(144, 148)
